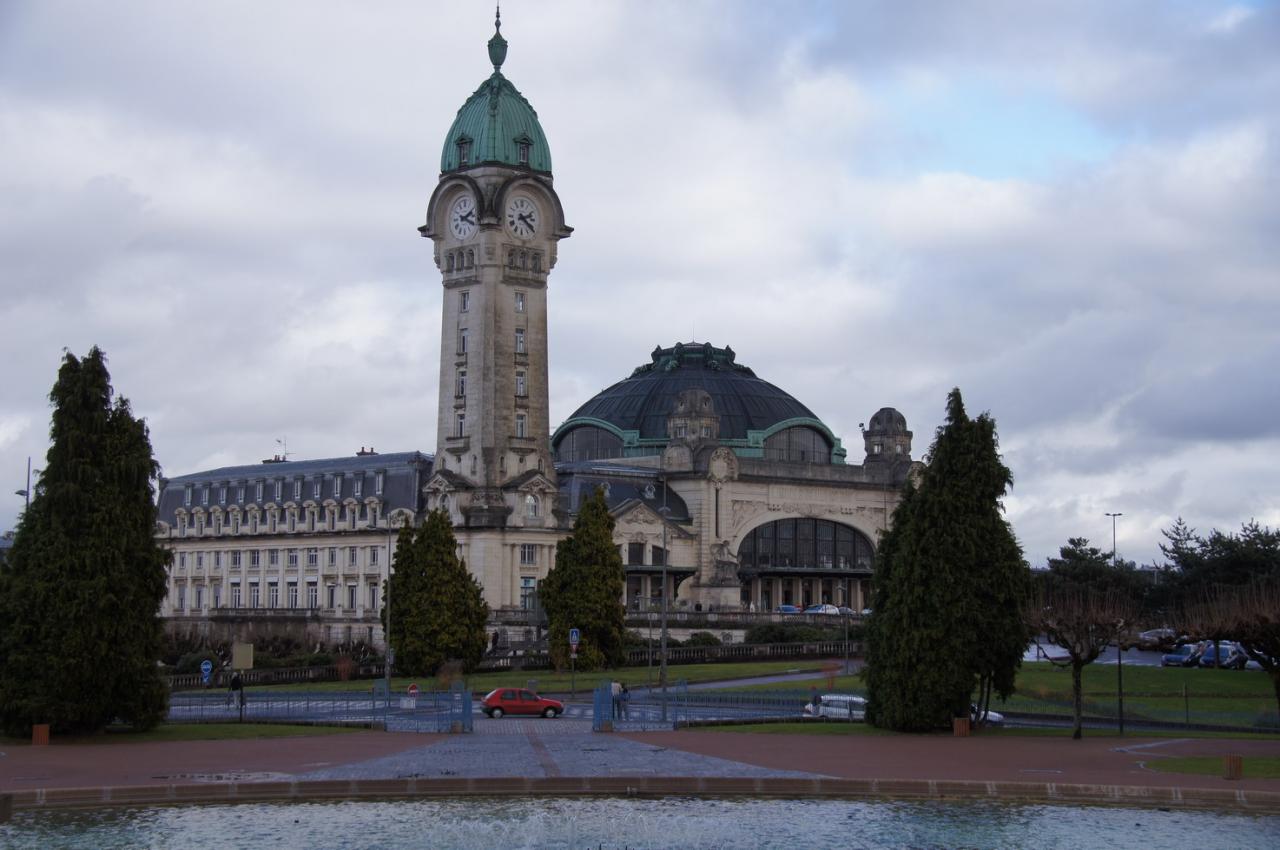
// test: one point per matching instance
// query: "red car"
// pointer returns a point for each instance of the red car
(519, 701)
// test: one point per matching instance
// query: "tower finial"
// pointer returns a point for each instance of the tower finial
(497, 44)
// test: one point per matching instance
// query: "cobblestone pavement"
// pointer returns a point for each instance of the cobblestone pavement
(542, 749)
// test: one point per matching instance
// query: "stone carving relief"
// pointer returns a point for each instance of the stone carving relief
(723, 465)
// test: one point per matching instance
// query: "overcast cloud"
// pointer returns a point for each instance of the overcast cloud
(1068, 209)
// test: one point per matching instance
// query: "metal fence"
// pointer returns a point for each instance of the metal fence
(655, 708)
(428, 711)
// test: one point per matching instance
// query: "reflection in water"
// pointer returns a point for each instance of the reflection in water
(638, 824)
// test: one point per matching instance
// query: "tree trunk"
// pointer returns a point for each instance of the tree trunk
(1077, 700)
(1274, 673)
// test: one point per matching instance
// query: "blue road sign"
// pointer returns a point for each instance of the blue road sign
(575, 637)
(206, 669)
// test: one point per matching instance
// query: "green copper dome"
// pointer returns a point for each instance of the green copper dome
(496, 125)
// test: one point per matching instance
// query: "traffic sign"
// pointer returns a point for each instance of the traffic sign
(206, 669)
(575, 637)
(413, 689)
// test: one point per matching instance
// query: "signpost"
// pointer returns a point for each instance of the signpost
(206, 671)
(575, 637)
(411, 701)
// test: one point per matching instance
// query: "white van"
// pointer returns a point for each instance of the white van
(838, 707)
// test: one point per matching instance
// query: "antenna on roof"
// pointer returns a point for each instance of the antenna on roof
(283, 443)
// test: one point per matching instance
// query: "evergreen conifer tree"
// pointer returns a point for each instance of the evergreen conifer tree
(950, 580)
(79, 628)
(584, 591)
(438, 612)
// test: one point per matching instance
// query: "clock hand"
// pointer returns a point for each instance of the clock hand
(528, 221)
(469, 218)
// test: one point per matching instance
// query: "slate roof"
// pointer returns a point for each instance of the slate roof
(643, 401)
(404, 475)
(578, 480)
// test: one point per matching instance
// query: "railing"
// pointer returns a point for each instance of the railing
(275, 676)
(539, 659)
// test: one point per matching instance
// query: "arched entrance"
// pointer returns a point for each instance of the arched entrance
(804, 561)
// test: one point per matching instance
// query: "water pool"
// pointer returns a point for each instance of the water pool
(638, 824)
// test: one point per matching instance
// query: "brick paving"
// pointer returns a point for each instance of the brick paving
(556, 749)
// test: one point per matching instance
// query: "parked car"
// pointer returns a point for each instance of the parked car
(1183, 655)
(1157, 638)
(1227, 656)
(502, 701)
(822, 609)
(837, 707)
(787, 609)
(994, 718)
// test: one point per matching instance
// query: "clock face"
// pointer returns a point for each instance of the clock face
(462, 217)
(522, 217)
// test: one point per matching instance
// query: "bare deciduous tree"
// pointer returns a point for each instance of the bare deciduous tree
(1083, 621)
(1248, 614)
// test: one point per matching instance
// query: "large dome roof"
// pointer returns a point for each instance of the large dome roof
(496, 125)
(643, 401)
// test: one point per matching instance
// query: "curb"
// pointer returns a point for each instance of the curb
(1215, 799)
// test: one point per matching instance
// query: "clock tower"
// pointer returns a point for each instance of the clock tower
(495, 221)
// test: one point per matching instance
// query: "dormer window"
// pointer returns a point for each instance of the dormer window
(524, 152)
(464, 151)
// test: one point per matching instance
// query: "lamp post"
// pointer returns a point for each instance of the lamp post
(1119, 636)
(26, 492)
(666, 556)
(390, 653)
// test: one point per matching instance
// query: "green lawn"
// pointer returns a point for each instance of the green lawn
(549, 681)
(193, 732)
(1254, 767)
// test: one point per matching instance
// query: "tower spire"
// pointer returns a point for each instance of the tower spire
(497, 44)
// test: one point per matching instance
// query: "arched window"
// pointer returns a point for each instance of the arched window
(587, 442)
(471, 258)
(800, 444)
(531, 506)
(805, 544)
(449, 262)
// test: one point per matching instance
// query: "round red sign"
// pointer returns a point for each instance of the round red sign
(413, 690)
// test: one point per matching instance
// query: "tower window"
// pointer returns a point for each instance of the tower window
(462, 383)
(519, 302)
(462, 340)
(464, 151)
(524, 153)
(519, 340)
(449, 262)
(522, 426)
(471, 258)
(521, 385)
(460, 425)
(464, 301)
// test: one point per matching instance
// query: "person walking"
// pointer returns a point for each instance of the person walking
(237, 690)
(615, 693)
(625, 698)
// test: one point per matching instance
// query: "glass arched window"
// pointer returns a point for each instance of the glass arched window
(588, 442)
(800, 444)
(531, 506)
(806, 544)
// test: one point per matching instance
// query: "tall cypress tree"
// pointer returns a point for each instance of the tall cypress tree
(79, 631)
(438, 612)
(584, 590)
(949, 582)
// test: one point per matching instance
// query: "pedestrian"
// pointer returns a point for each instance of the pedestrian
(237, 689)
(625, 696)
(615, 693)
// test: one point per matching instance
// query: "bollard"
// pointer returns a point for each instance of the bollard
(960, 727)
(1232, 767)
(40, 735)
(455, 727)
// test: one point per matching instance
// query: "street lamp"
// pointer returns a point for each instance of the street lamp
(1119, 635)
(386, 638)
(666, 556)
(26, 491)
(1113, 536)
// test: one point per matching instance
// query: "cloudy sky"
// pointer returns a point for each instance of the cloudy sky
(1070, 210)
